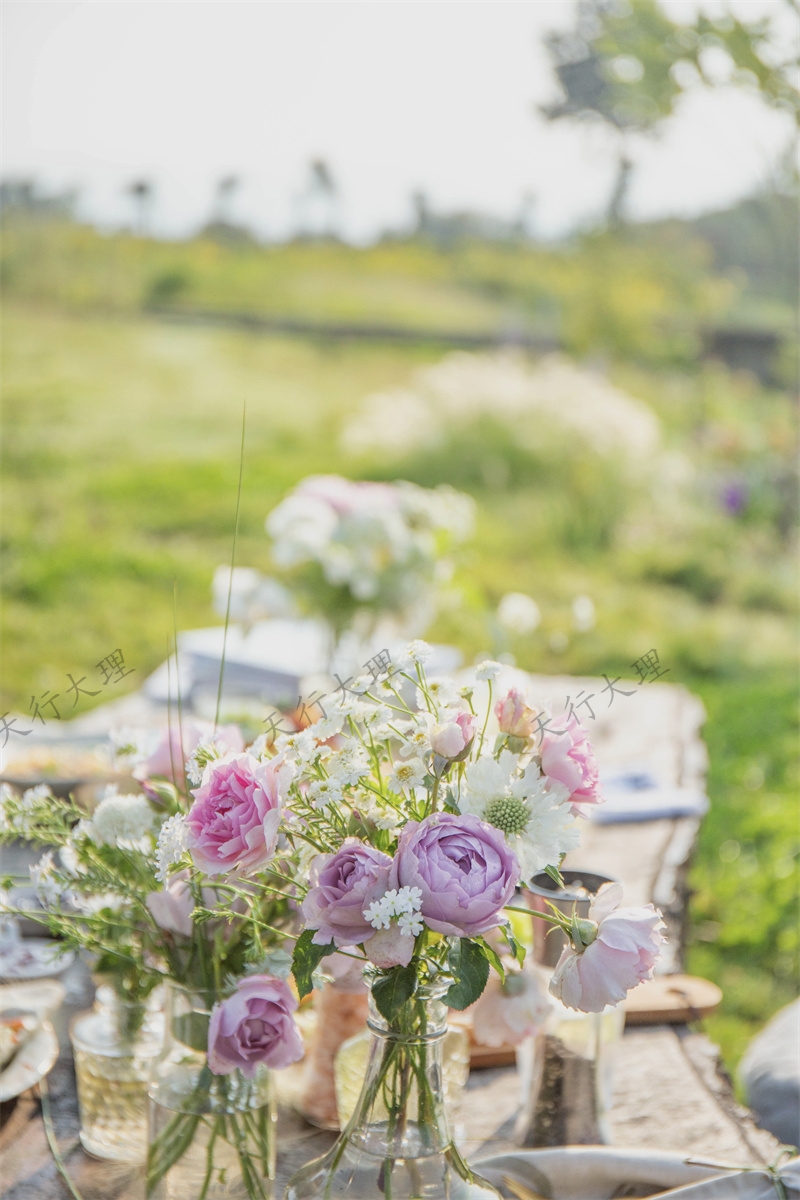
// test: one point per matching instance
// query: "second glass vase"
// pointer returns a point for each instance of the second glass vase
(398, 1143)
(212, 1137)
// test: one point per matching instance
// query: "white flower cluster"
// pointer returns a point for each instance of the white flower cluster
(382, 542)
(17, 813)
(49, 887)
(402, 904)
(122, 821)
(554, 393)
(173, 842)
(207, 750)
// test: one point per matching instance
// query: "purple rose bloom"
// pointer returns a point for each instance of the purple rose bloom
(342, 886)
(463, 868)
(234, 820)
(254, 1025)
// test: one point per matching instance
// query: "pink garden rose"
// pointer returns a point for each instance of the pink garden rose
(170, 755)
(568, 756)
(623, 953)
(514, 716)
(233, 823)
(254, 1025)
(342, 886)
(463, 868)
(453, 736)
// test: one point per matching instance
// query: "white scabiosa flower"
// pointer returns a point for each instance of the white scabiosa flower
(531, 810)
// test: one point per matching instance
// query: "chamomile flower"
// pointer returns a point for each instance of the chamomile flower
(323, 792)
(348, 765)
(488, 670)
(407, 775)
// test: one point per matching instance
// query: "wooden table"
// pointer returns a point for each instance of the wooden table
(670, 1092)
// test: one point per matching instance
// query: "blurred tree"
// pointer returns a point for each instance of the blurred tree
(226, 189)
(626, 63)
(318, 203)
(141, 192)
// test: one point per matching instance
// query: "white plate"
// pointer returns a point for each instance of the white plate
(31, 1063)
(36, 1056)
(592, 1172)
(34, 958)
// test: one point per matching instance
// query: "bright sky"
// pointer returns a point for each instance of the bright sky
(394, 96)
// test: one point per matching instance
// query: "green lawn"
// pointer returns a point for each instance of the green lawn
(120, 463)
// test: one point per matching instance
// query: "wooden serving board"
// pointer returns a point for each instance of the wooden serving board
(671, 999)
(665, 1000)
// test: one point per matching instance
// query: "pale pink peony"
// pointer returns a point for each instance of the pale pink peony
(623, 953)
(178, 742)
(254, 1025)
(568, 757)
(233, 823)
(509, 1012)
(515, 717)
(452, 737)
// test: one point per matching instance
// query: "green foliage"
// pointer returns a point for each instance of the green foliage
(392, 990)
(306, 958)
(469, 964)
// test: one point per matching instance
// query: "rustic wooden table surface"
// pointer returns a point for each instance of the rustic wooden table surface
(669, 1090)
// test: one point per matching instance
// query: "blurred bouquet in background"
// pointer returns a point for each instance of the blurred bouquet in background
(362, 553)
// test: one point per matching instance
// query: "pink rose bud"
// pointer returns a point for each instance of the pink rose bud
(453, 737)
(514, 716)
(568, 757)
(255, 1025)
(624, 951)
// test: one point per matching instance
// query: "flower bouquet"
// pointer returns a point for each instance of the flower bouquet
(183, 887)
(362, 551)
(412, 830)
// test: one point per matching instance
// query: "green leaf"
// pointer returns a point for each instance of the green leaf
(306, 958)
(516, 948)
(555, 875)
(470, 966)
(494, 958)
(392, 991)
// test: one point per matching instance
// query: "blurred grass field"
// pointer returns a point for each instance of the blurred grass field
(121, 454)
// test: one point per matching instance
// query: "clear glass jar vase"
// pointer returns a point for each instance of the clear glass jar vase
(398, 1142)
(565, 1079)
(115, 1045)
(212, 1137)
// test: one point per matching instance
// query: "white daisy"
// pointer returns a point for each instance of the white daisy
(442, 691)
(408, 774)
(301, 746)
(530, 809)
(488, 670)
(415, 652)
(323, 792)
(348, 765)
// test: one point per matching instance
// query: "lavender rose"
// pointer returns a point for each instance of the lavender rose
(342, 886)
(568, 756)
(234, 820)
(254, 1025)
(625, 946)
(463, 868)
